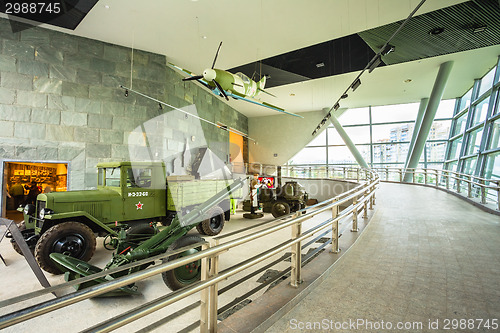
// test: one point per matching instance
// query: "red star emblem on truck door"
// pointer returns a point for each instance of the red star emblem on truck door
(139, 205)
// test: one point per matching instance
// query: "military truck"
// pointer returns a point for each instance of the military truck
(137, 194)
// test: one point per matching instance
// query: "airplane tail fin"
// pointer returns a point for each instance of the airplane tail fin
(262, 82)
(261, 85)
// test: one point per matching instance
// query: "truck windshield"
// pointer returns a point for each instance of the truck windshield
(112, 177)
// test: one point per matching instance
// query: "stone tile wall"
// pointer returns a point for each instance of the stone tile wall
(60, 101)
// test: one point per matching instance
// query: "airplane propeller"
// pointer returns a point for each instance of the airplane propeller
(210, 75)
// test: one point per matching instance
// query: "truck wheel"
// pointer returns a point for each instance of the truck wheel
(185, 275)
(280, 208)
(24, 232)
(214, 222)
(73, 238)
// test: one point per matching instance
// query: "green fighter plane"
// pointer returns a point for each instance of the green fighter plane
(239, 86)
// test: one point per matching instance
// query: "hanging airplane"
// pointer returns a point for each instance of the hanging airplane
(238, 86)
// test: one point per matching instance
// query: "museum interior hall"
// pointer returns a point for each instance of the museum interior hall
(250, 166)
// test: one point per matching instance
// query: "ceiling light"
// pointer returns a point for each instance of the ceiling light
(336, 106)
(356, 84)
(407, 81)
(436, 31)
(106, 6)
(477, 29)
(388, 49)
(292, 94)
(204, 37)
(344, 96)
(320, 64)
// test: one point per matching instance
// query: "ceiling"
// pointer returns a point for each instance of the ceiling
(188, 32)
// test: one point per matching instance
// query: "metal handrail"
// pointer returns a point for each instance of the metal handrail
(364, 192)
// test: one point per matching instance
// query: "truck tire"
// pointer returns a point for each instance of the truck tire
(214, 221)
(185, 275)
(280, 208)
(74, 238)
(22, 228)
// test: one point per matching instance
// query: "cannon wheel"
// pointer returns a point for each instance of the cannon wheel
(199, 228)
(214, 222)
(22, 227)
(138, 233)
(185, 275)
(73, 238)
(280, 208)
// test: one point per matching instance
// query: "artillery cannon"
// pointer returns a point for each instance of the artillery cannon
(172, 237)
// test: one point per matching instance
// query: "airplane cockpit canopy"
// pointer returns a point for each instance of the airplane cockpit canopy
(243, 77)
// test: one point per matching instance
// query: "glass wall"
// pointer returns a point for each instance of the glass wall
(382, 135)
(474, 140)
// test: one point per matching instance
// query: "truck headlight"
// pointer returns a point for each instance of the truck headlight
(29, 209)
(44, 212)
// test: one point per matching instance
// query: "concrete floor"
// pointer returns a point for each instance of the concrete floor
(427, 261)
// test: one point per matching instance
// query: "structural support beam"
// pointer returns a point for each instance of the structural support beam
(348, 142)
(428, 118)
(418, 122)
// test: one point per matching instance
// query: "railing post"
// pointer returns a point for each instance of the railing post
(205, 293)
(483, 191)
(372, 198)
(469, 187)
(296, 259)
(335, 229)
(387, 174)
(214, 291)
(425, 176)
(344, 171)
(400, 175)
(355, 215)
(459, 185)
(437, 178)
(413, 176)
(357, 175)
(498, 194)
(365, 205)
(447, 175)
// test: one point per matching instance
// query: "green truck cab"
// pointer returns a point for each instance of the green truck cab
(136, 194)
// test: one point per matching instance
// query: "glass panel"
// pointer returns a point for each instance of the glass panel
(487, 81)
(334, 137)
(359, 134)
(112, 177)
(319, 140)
(492, 169)
(359, 116)
(309, 156)
(495, 133)
(342, 154)
(436, 151)
(452, 166)
(446, 109)
(440, 130)
(465, 100)
(460, 124)
(469, 165)
(139, 177)
(390, 153)
(474, 141)
(480, 111)
(392, 113)
(393, 132)
(456, 145)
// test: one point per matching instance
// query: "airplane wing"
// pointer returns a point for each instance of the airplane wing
(191, 74)
(267, 105)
